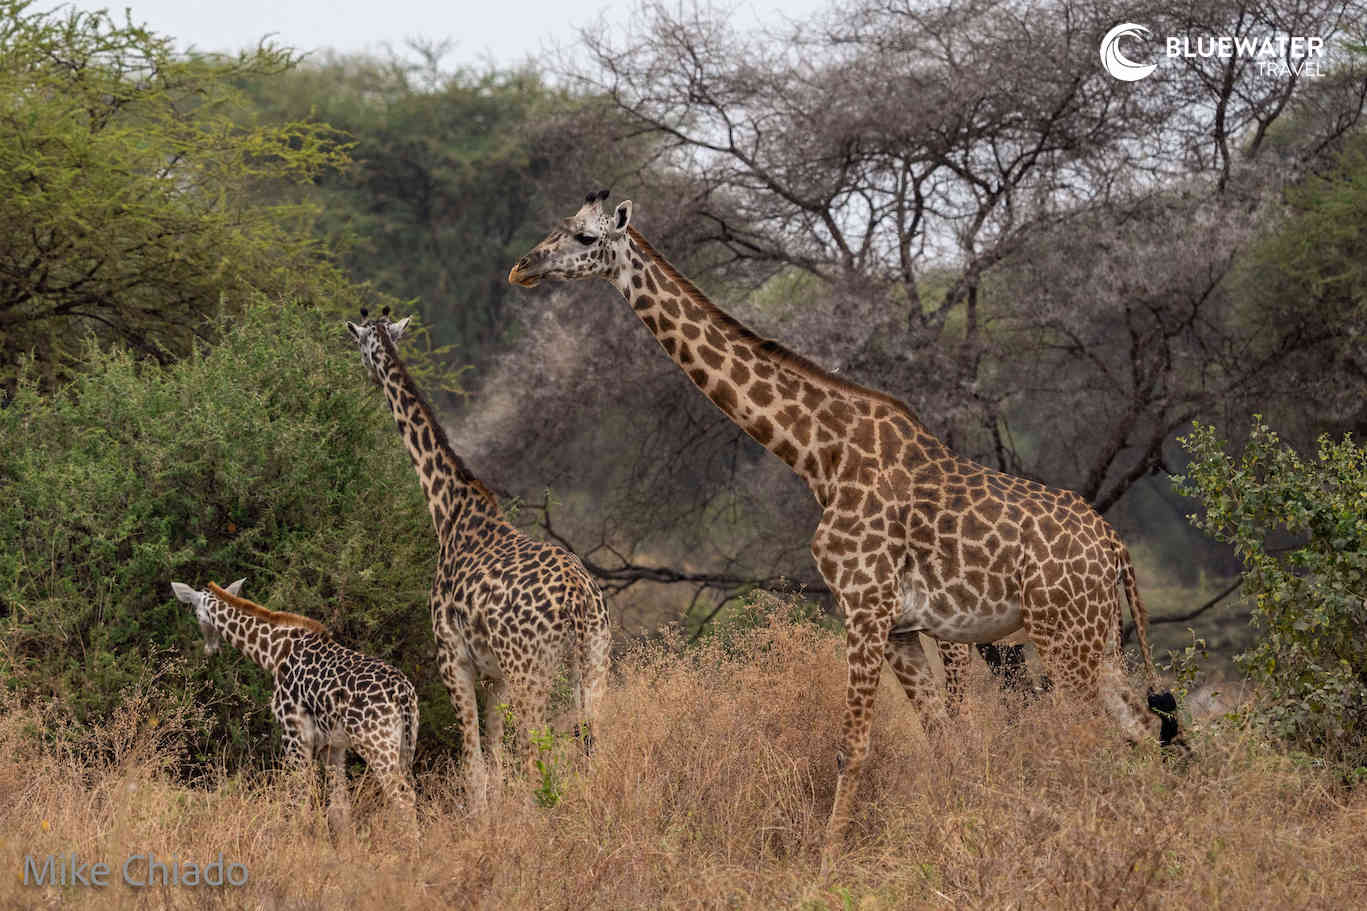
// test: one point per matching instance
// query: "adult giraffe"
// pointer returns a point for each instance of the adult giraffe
(913, 537)
(506, 608)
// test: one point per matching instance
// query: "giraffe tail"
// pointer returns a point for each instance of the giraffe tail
(409, 743)
(1137, 610)
(1161, 703)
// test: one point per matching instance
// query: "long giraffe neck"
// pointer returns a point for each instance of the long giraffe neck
(264, 636)
(812, 420)
(450, 487)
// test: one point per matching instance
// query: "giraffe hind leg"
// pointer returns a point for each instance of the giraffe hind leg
(339, 800)
(495, 707)
(594, 655)
(1078, 662)
(383, 753)
(910, 663)
(530, 692)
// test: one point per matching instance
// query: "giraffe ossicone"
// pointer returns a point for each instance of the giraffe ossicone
(507, 609)
(327, 698)
(913, 538)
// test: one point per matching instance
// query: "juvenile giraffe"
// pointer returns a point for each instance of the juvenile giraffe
(913, 538)
(326, 698)
(506, 608)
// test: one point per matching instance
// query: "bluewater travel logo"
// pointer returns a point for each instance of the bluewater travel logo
(1300, 56)
(1115, 62)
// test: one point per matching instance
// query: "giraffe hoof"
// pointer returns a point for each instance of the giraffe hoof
(1164, 705)
(339, 824)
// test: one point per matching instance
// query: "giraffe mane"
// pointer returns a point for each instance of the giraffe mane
(767, 347)
(273, 617)
(463, 472)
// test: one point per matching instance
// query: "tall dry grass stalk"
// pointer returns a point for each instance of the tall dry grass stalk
(709, 787)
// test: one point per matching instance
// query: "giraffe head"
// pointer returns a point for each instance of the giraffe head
(585, 245)
(199, 600)
(367, 337)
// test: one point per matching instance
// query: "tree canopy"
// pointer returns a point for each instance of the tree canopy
(130, 188)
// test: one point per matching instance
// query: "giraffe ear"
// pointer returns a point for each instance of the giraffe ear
(354, 329)
(236, 588)
(623, 214)
(184, 592)
(396, 330)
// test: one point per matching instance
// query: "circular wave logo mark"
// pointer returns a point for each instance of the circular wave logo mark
(1115, 62)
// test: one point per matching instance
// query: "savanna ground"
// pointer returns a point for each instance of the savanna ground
(709, 787)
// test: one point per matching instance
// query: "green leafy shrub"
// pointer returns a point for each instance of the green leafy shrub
(1307, 587)
(269, 456)
(733, 628)
(139, 191)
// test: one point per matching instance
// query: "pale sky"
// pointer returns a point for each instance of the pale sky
(506, 33)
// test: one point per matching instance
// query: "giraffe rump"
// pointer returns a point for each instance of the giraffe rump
(266, 615)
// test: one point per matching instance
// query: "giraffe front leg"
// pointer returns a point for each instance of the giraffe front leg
(955, 656)
(296, 741)
(458, 673)
(866, 636)
(869, 601)
(297, 734)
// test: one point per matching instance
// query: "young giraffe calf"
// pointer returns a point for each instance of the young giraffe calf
(327, 697)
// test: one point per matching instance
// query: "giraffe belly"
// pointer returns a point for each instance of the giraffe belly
(939, 614)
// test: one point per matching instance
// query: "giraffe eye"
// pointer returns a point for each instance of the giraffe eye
(586, 239)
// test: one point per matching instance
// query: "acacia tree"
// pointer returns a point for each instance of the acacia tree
(443, 178)
(911, 153)
(130, 188)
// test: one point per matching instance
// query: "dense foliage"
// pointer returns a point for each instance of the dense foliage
(1311, 272)
(444, 188)
(268, 456)
(1300, 526)
(129, 179)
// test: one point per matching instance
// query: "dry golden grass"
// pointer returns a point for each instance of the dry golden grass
(709, 787)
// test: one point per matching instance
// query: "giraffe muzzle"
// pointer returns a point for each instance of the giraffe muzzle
(518, 276)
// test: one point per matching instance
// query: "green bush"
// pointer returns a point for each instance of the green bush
(138, 190)
(269, 456)
(1300, 527)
